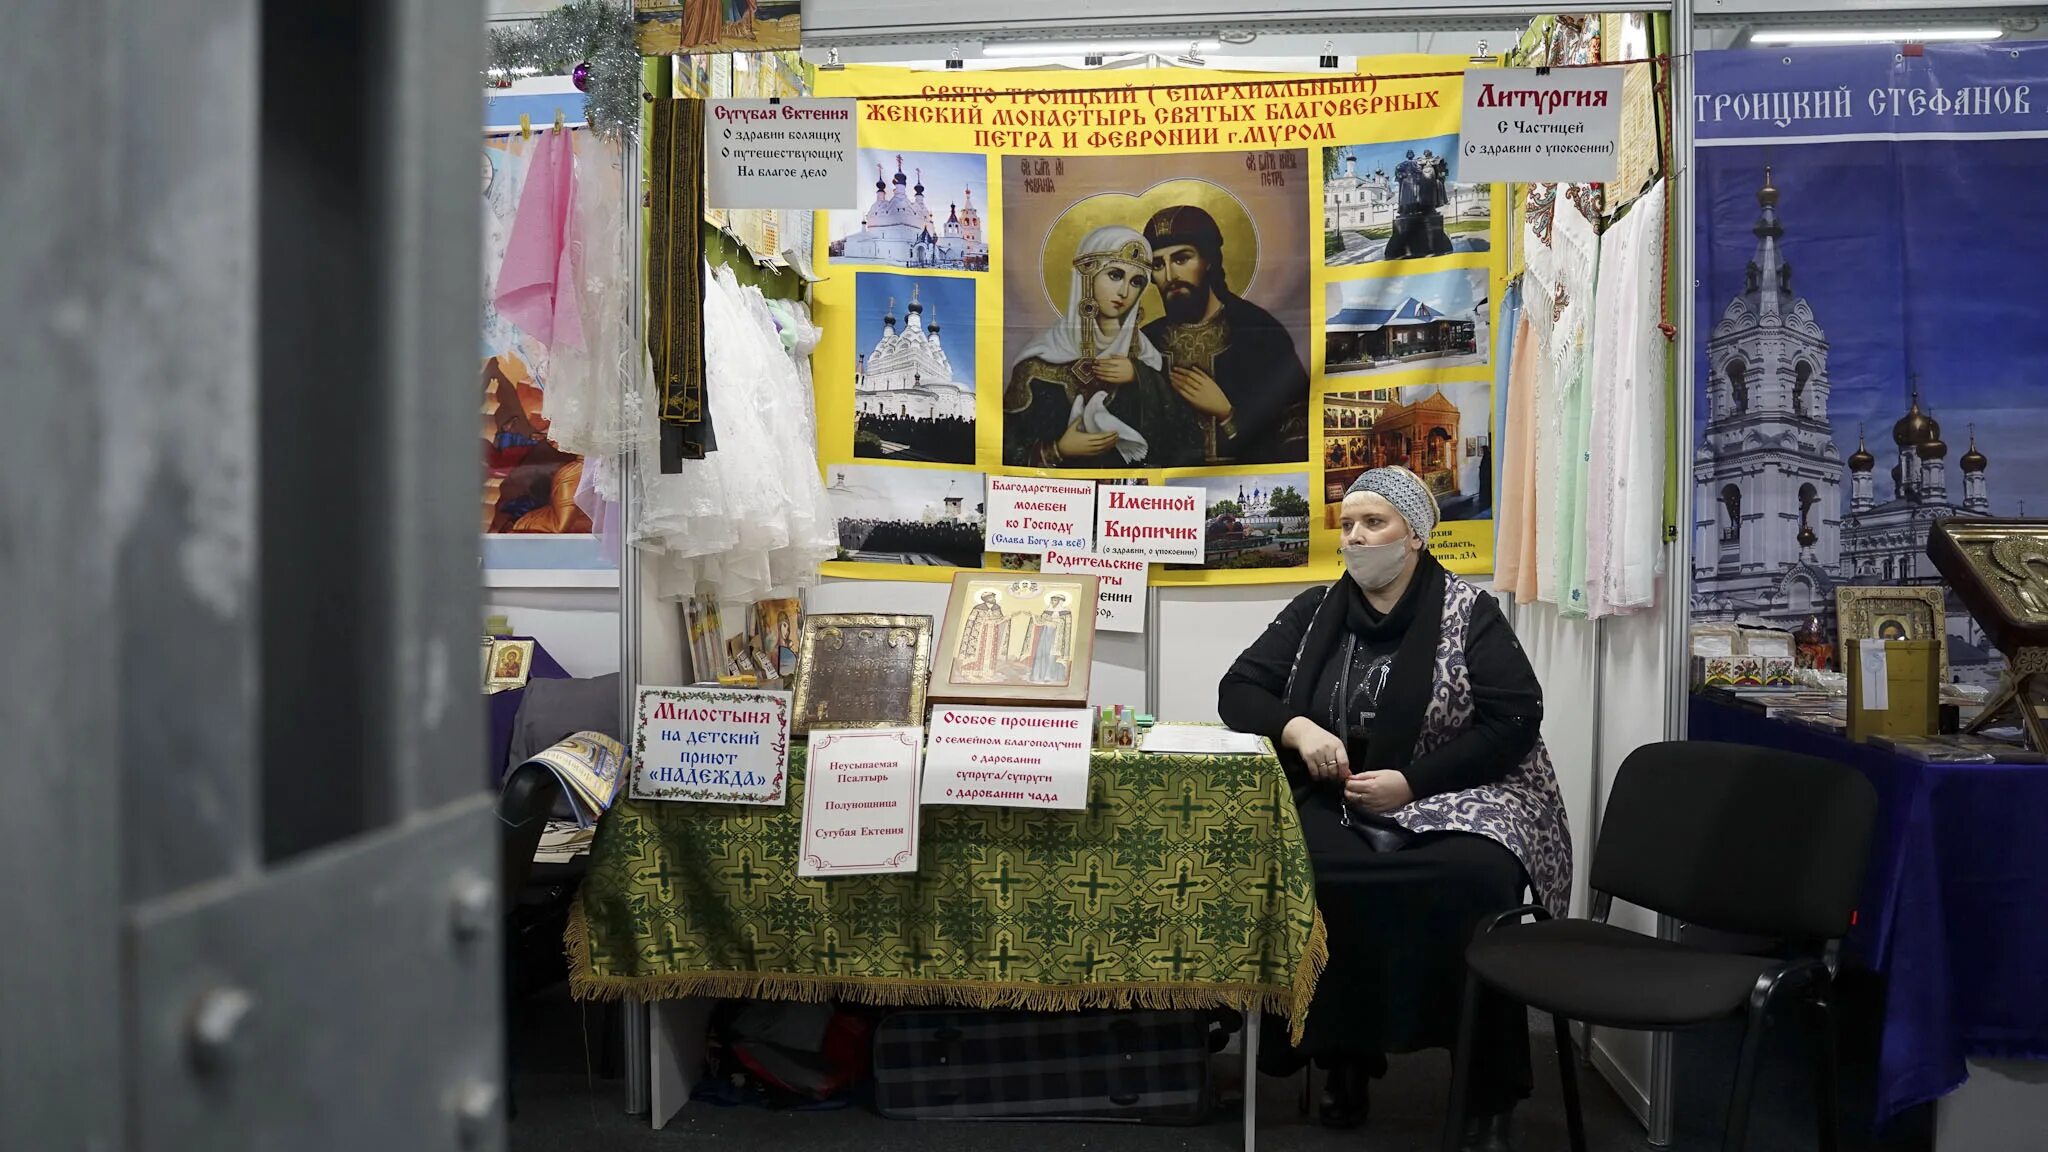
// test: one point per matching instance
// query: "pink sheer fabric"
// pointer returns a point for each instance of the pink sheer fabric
(538, 285)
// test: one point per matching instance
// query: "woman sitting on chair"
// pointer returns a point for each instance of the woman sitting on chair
(1407, 715)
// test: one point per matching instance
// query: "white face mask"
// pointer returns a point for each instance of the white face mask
(1374, 566)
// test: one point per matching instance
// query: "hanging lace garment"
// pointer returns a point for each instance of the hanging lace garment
(812, 537)
(684, 514)
(1625, 478)
(758, 503)
(799, 338)
(1539, 287)
(1576, 245)
(1510, 321)
(591, 388)
(597, 476)
(767, 531)
(1514, 545)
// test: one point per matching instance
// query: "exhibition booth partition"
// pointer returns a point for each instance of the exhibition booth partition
(932, 439)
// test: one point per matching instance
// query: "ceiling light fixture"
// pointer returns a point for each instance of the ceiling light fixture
(1872, 35)
(1091, 47)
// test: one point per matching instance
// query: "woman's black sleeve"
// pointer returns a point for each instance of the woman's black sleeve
(1507, 704)
(1252, 696)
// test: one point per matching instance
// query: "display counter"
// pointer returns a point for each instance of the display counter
(1184, 884)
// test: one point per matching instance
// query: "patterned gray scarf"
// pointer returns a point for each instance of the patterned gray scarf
(1405, 491)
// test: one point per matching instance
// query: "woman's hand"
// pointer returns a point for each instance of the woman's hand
(1323, 753)
(1076, 444)
(1378, 792)
(1114, 370)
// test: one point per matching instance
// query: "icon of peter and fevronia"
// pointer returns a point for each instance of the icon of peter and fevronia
(1214, 380)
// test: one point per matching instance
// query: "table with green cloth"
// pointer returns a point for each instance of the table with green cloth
(1185, 883)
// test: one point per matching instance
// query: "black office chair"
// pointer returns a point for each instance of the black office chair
(1729, 837)
(524, 805)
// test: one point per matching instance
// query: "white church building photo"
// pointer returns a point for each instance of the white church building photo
(915, 224)
(1781, 517)
(907, 374)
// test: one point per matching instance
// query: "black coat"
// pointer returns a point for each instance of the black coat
(1506, 696)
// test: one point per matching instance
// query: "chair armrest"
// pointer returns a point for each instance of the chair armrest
(523, 807)
(1803, 974)
(528, 796)
(1803, 971)
(1513, 914)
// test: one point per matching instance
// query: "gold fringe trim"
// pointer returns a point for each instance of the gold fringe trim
(1315, 955)
(586, 984)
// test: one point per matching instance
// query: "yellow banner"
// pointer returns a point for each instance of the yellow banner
(1256, 285)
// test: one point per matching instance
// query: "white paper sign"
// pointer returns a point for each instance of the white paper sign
(1028, 515)
(1120, 605)
(1155, 523)
(787, 154)
(711, 745)
(1009, 757)
(860, 802)
(1519, 126)
(1877, 677)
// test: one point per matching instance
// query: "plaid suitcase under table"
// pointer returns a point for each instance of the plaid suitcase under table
(1103, 1065)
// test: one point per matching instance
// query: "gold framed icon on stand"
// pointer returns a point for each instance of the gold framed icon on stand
(1017, 638)
(507, 664)
(1904, 612)
(1999, 569)
(861, 670)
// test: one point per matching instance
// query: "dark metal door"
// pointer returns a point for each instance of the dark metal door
(246, 853)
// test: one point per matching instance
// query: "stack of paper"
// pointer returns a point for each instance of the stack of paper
(562, 842)
(1202, 740)
(590, 766)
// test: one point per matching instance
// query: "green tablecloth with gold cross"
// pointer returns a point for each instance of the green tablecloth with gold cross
(1184, 884)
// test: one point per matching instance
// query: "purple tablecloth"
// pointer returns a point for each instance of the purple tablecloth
(505, 705)
(1955, 903)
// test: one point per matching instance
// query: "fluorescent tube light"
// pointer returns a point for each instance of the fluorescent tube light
(1870, 35)
(1094, 47)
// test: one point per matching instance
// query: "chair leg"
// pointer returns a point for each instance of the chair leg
(1461, 1065)
(1568, 1076)
(1308, 1087)
(1826, 1067)
(1745, 1067)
